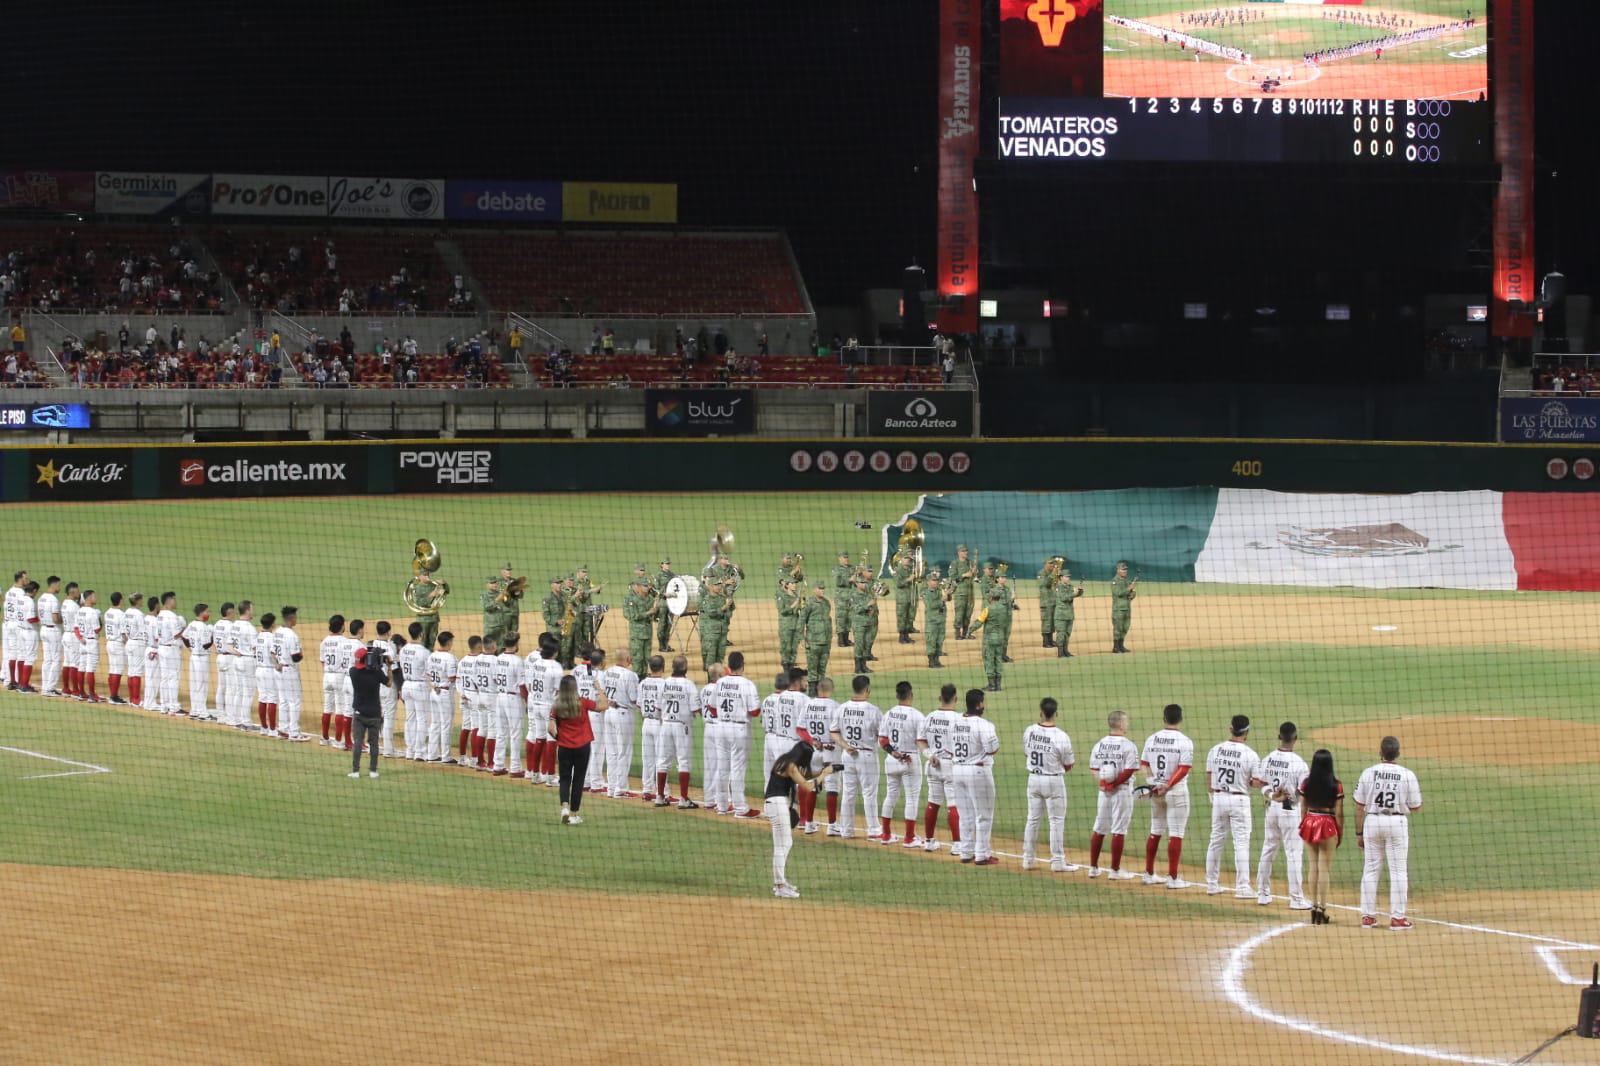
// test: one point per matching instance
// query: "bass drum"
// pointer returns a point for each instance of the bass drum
(683, 596)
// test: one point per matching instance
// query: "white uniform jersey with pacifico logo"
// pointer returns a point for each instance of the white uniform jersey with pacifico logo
(936, 730)
(650, 697)
(505, 674)
(169, 626)
(900, 726)
(112, 621)
(244, 638)
(86, 623)
(285, 648)
(973, 741)
(1047, 749)
(49, 609)
(858, 724)
(736, 699)
(225, 636)
(198, 636)
(467, 674)
(1388, 788)
(1117, 752)
(152, 629)
(328, 654)
(68, 611)
(791, 711)
(344, 655)
(261, 650)
(1231, 766)
(622, 687)
(822, 714)
(679, 700)
(542, 677)
(414, 663)
(442, 670)
(588, 680)
(1164, 751)
(1283, 771)
(133, 625)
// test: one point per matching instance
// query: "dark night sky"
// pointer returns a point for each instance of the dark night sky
(815, 115)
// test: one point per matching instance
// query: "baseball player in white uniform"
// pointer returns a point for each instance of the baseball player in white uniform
(470, 684)
(856, 732)
(414, 691)
(898, 730)
(1387, 795)
(244, 639)
(266, 675)
(27, 637)
(622, 697)
(715, 775)
(680, 702)
(773, 743)
(169, 632)
(541, 675)
(1279, 777)
(935, 748)
(387, 693)
(504, 748)
(14, 596)
(820, 720)
(345, 659)
(116, 648)
(286, 655)
(150, 696)
(1048, 752)
(1167, 760)
(135, 646)
(588, 673)
(71, 645)
(198, 638)
(50, 637)
(221, 644)
(973, 745)
(1230, 768)
(86, 627)
(443, 673)
(1113, 760)
(332, 682)
(650, 688)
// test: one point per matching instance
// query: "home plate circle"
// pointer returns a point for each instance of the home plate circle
(1384, 629)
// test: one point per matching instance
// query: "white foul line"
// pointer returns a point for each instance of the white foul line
(87, 767)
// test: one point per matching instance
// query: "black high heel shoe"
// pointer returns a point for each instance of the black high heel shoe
(1319, 916)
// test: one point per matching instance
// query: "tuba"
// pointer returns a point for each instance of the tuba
(912, 538)
(425, 597)
(721, 540)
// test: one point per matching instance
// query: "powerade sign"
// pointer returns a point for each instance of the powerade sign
(1549, 419)
(699, 412)
(230, 472)
(445, 468)
(505, 201)
(919, 414)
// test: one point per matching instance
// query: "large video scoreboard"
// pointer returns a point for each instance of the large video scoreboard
(1400, 82)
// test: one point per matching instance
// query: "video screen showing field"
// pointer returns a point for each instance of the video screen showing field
(1416, 49)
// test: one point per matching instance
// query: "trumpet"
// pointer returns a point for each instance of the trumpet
(881, 588)
(513, 590)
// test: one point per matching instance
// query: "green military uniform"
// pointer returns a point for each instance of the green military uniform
(659, 581)
(1011, 616)
(965, 576)
(715, 608)
(501, 619)
(584, 625)
(729, 575)
(995, 631)
(552, 607)
(841, 574)
(568, 653)
(638, 609)
(1047, 602)
(430, 621)
(864, 622)
(1122, 593)
(1063, 595)
(818, 623)
(791, 606)
(933, 616)
(905, 599)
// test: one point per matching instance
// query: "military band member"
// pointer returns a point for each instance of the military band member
(818, 624)
(1063, 595)
(553, 607)
(502, 606)
(570, 623)
(996, 628)
(716, 607)
(584, 593)
(1047, 601)
(933, 617)
(1011, 615)
(658, 582)
(905, 598)
(964, 576)
(791, 604)
(863, 619)
(430, 621)
(639, 610)
(1122, 593)
(842, 573)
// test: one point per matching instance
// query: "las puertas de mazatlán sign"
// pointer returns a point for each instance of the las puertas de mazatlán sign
(1537, 419)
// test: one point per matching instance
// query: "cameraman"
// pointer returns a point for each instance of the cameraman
(368, 677)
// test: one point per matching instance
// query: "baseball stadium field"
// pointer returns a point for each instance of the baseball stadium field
(1451, 63)
(222, 897)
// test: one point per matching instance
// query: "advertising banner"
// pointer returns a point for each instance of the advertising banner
(79, 474)
(269, 194)
(919, 414)
(957, 280)
(445, 467)
(507, 201)
(36, 416)
(699, 412)
(1514, 271)
(386, 198)
(47, 190)
(604, 201)
(1534, 419)
(118, 192)
(282, 471)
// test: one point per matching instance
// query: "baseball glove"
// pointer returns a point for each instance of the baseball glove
(1143, 791)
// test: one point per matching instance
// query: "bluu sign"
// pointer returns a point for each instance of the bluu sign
(699, 412)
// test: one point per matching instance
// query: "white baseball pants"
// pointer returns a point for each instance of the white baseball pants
(26, 645)
(116, 657)
(647, 755)
(386, 704)
(860, 781)
(330, 694)
(596, 777)
(346, 697)
(675, 746)
(511, 725)
(974, 788)
(715, 755)
(734, 742)
(1281, 831)
(6, 646)
(902, 787)
(290, 697)
(772, 749)
(415, 695)
(1385, 837)
(50, 639)
(199, 683)
(151, 675)
(1113, 812)
(1169, 815)
(1047, 798)
(940, 789)
(441, 716)
(71, 651)
(267, 685)
(89, 657)
(777, 811)
(619, 749)
(1230, 816)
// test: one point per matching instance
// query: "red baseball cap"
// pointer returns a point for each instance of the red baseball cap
(361, 654)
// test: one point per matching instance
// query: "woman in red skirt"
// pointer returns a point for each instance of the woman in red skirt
(1322, 828)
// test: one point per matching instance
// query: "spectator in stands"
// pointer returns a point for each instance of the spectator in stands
(608, 343)
(347, 343)
(594, 341)
(763, 349)
(9, 373)
(19, 336)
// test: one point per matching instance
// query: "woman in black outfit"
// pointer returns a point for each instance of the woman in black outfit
(367, 678)
(791, 771)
